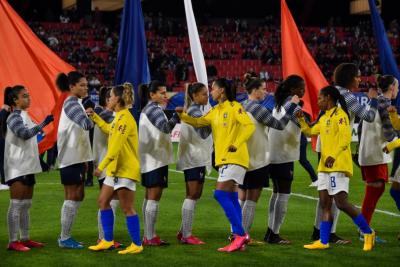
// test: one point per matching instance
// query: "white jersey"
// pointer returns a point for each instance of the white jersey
(193, 150)
(258, 146)
(21, 157)
(371, 144)
(155, 147)
(73, 141)
(284, 145)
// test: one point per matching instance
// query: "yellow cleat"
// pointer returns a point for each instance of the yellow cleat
(132, 249)
(102, 245)
(369, 241)
(317, 245)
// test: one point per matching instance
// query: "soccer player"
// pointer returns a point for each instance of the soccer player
(231, 128)
(374, 135)
(122, 167)
(194, 156)
(257, 174)
(156, 153)
(100, 143)
(335, 167)
(74, 151)
(21, 163)
(285, 149)
(347, 79)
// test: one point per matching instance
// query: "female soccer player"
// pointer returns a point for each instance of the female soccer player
(123, 169)
(374, 135)
(100, 143)
(20, 164)
(74, 151)
(257, 174)
(285, 149)
(156, 153)
(194, 155)
(231, 128)
(336, 166)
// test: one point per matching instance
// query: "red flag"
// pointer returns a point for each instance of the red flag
(296, 59)
(25, 60)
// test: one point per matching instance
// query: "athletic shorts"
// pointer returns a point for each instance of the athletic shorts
(156, 178)
(231, 172)
(101, 181)
(195, 174)
(256, 179)
(375, 173)
(27, 180)
(73, 174)
(282, 171)
(333, 182)
(118, 182)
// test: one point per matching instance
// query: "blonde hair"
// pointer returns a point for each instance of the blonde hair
(125, 94)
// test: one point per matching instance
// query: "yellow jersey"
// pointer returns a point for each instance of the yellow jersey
(122, 158)
(335, 133)
(230, 125)
(394, 119)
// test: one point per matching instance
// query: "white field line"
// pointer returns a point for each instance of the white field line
(304, 196)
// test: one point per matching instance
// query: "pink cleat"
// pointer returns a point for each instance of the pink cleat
(17, 246)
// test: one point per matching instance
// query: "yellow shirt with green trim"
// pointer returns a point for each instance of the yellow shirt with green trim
(335, 133)
(230, 125)
(122, 158)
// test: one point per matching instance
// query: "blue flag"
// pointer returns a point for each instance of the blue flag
(386, 58)
(132, 65)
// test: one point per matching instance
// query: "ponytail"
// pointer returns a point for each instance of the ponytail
(192, 89)
(64, 81)
(336, 97)
(385, 81)
(230, 91)
(284, 89)
(145, 90)
(125, 94)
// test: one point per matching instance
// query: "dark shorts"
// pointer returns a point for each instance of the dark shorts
(27, 180)
(156, 178)
(256, 179)
(195, 174)
(281, 171)
(101, 181)
(73, 174)
(375, 173)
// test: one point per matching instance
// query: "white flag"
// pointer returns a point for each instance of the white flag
(195, 46)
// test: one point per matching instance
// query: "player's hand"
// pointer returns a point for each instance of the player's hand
(391, 109)
(232, 148)
(97, 172)
(329, 162)
(299, 114)
(295, 99)
(386, 150)
(179, 109)
(372, 93)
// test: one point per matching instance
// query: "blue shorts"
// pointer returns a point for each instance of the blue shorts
(156, 178)
(195, 174)
(73, 174)
(27, 180)
(282, 171)
(256, 179)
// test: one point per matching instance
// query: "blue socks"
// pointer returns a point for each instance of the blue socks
(325, 231)
(229, 207)
(235, 199)
(362, 224)
(396, 197)
(107, 220)
(134, 229)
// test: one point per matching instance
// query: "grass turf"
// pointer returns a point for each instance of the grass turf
(210, 225)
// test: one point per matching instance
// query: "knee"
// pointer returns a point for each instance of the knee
(103, 203)
(341, 204)
(128, 210)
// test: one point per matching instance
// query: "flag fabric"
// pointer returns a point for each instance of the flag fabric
(132, 63)
(296, 59)
(195, 45)
(26, 60)
(386, 57)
